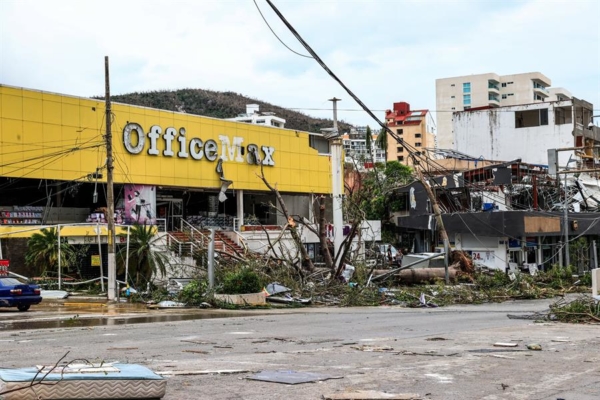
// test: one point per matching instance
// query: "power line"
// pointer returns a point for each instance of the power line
(281, 41)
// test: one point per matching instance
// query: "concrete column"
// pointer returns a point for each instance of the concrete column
(239, 195)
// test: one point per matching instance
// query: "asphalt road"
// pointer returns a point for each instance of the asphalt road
(442, 353)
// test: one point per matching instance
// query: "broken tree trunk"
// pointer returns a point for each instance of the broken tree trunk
(306, 261)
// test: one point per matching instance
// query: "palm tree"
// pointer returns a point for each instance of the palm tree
(382, 141)
(144, 262)
(42, 251)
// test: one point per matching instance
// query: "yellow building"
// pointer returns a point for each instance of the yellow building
(167, 165)
(414, 127)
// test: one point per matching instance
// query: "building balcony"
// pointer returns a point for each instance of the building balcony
(493, 101)
(540, 91)
(493, 88)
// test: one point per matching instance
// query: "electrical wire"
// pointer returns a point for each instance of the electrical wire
(281, 41)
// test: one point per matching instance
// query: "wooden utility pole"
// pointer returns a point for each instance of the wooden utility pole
(110, 197)
(438, 219)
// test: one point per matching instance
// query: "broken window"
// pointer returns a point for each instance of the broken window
(531, 118)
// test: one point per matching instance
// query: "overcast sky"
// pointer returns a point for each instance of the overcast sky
(385, 51)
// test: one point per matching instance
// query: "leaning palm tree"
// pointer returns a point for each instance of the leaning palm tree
(144, 261)
(42, 251)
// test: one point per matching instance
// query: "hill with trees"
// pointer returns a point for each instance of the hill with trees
(214, 104)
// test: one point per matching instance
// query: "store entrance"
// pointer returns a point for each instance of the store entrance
(170, 211)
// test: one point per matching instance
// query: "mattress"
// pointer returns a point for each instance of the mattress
(106, 381)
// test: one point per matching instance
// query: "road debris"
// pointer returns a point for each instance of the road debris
(291, 377)
(206, 372)
(372, 395)
(534, 346)
(505, 344)
(366, 347)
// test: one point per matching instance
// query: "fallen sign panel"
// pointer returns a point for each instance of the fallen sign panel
(109, 381)
(290, 377)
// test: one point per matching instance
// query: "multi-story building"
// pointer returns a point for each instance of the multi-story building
(488, 90)
(414, 127)
(355, 148)
(254, 116)
(523, 132)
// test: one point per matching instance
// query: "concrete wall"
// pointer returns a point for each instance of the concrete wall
(491, 134)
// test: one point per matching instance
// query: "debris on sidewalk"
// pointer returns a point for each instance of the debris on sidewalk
(371, 395)
(291, 377)
(366, 347)
(205, 372)
(505, 344)
(534, 346)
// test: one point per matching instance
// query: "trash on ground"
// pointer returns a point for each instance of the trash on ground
(435, 339)
(494, 350)
(54, 294)
(371, 395)
(205, 372)
(534, 346)
(167, 304)
(505, 344)
(291, 377)
(366, 347)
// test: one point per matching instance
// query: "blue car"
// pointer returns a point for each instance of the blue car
(13, 293)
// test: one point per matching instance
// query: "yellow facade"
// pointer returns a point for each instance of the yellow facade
(51, 136)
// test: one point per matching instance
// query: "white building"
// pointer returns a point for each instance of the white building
(522, 131)
(355, 147)
(254, 116)
(488, 90)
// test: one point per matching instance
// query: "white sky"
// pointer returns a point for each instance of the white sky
(385, 51)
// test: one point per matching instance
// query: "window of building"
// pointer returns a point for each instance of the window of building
(509, 83)
(467, 87)
(400, 158)
(563, 115)
(503, 84)
(417, 144)
(466, 107)
(454, 108)
(504, 96)
(400, 149)
(531, 118)
(400, 131)
(452, 85)
(417, 135)
(260, 121)
(467, 99)
(452, 97)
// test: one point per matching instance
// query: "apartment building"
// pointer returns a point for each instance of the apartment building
(414, 127)
(488, 90)
(355, 148)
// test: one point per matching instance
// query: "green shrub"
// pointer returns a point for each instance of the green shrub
(194, 293)
(242, 281)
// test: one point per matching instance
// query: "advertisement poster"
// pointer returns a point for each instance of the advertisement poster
(140, 205)
(4, 264)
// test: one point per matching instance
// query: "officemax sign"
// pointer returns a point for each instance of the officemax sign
(178, 144)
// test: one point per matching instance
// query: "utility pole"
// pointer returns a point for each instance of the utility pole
(110, 206)
(439, 221)
(566, 226)
(336, 186)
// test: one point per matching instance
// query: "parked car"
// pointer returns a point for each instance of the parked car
(14, 293)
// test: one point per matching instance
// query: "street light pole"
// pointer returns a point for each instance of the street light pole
(110, 206)
(566, 226)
